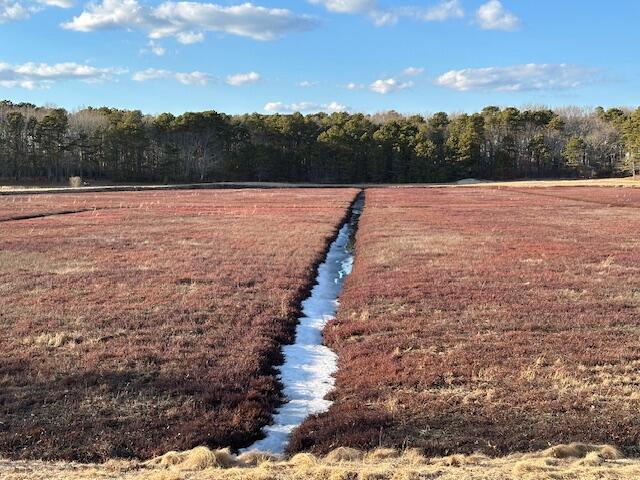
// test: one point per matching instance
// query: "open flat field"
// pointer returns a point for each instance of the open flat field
(28, 206)
(153, 322)
(493, 320)
(32, 206)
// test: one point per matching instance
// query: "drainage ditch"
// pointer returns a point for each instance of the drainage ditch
(307, 374)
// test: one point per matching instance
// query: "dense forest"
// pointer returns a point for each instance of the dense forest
(50, 145)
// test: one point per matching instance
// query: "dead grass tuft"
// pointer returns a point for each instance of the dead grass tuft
(304, 460)
(580, 450)
(198, 458)
(57, 340)
(537, 466)
(413, 456)
(381, 454)
(591, 459)
(343, 454)
(459, 460)
(253, 459)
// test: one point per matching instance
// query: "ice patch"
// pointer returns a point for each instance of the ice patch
(471, 181)
(309, 366)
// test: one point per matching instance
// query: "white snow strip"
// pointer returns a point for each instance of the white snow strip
(309, 366)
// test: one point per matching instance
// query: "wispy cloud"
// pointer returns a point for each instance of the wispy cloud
(446, 10)
(381, 16)
(354, 86)
(304, 107)
(186, 78)
(493, 16)
(13, 11)
(242, 79)
(307, 84)
(389, 84)
(57, 3)
(41, 75)
(155, 48)
(189, 21)
(348, 6)
(16, 10)
(519, 78)
(413, 71)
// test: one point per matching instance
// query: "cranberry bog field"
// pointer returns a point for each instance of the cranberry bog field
(23, 207)
(147, 322)
(488, 320)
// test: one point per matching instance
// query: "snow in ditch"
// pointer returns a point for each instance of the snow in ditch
(309, 366)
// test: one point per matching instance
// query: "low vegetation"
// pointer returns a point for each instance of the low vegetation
(154, 321)
(488, 320)
(16, 207)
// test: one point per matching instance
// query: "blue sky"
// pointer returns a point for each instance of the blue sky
(414, 56)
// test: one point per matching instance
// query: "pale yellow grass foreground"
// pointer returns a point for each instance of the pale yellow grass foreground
(574, 461)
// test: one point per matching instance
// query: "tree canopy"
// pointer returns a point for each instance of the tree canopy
(51, 144)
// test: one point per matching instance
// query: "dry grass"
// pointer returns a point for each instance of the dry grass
(564, 462)
(595, 182)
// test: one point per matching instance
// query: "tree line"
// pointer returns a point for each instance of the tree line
(52, 144)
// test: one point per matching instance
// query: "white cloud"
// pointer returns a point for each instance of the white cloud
(307, 84)
(188, 21)
(16, 10)
(13, 11)
(348, 6)
(189, 38)
(413, 71)
(445, 10)
(493, 16)
(151, 74)
(110, 14)
(242, 79)
(40, 75)
(381, 18)
(57, 3)
(193, 78)
(190, 78)
(156, 49)
(304, 107)
(518, 78)
(354, 86)
(389, 85)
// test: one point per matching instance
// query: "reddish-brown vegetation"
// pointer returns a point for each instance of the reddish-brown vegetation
(493, 320)
(15, 207)
(154, 323)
